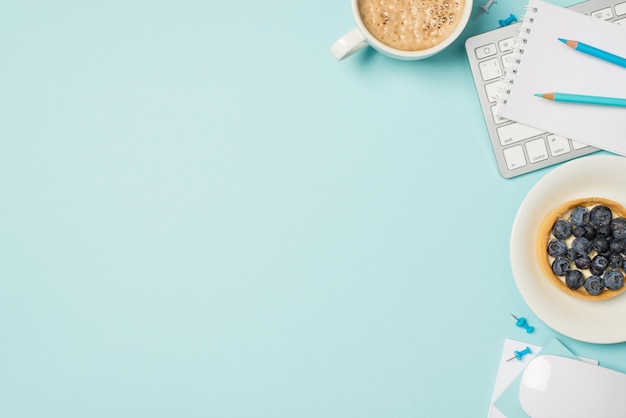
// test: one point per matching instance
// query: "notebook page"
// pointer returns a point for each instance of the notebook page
(548, 65)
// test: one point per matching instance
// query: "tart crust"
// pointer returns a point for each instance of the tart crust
(544, 236)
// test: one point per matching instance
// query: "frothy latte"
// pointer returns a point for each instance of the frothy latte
(411, 25)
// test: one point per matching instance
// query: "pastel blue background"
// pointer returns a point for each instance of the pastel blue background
(205, 215)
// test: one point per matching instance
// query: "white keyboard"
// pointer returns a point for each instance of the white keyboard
(518, 148)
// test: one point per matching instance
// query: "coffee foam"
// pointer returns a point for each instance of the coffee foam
(411, 25)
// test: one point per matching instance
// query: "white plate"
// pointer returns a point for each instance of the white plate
(601, 322)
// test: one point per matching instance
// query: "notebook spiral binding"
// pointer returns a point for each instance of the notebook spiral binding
(511, 63)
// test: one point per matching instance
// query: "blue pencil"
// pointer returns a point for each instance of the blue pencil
(598, 53)
(579, 98)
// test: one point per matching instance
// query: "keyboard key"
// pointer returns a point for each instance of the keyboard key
(490, 69)
(492, 91)
(620, 21)
(559, 145)
(536, 150)
(604, 14)
(620, 9)
(515, 132)
(507, 59)
(485, 51)
(514, 157)
(497, 119)
(506, 45)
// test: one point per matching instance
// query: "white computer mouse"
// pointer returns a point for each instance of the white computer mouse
(554, 386)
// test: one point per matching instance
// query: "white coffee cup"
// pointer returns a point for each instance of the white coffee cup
(360, 37)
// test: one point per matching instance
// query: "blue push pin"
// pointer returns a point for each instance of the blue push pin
(508, 20)
(521, 322)
(485, 8)
(519, 354)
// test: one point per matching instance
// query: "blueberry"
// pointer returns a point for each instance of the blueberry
(574, 279)
(583, 261)
(600, 244)
(600, 215)
(618, 228)
(579, 216)
(560, 266)
(599, 263)
(603, 231)
(581, 245)
(557, 247)
(617, 246)
(613, 279)
(571, 254)
(562, 229)
(589, 232)
(615, 260)
(594, 285)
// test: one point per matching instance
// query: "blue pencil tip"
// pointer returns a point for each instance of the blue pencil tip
(538, 94)
(563, 40)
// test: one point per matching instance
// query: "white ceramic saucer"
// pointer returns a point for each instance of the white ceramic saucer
(601, 322)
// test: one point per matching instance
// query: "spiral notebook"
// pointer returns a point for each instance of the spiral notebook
(542, 64)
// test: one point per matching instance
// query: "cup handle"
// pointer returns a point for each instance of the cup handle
(348, 44)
